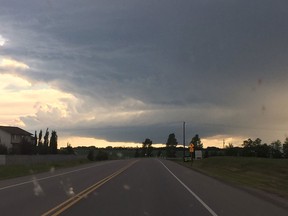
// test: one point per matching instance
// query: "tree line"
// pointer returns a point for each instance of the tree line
(249, 148)
(255, 148)
(46, 146)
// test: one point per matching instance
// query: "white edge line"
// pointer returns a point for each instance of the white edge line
(187, 188)
(48, 177)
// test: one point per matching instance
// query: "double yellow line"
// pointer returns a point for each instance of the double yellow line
(73, 200)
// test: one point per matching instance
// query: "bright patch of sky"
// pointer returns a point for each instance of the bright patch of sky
(8, 63)
(2, 40)
(21, 98)
(86, 141)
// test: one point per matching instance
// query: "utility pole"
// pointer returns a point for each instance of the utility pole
(184, 141)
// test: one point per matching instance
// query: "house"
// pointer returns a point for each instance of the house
(12, 137)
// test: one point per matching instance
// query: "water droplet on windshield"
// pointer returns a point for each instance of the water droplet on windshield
(37, 189)
(126, 187)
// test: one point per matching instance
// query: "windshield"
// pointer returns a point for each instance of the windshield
(121, 75)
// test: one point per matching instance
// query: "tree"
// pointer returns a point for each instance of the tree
(285, 148)
(196, 141)
(256, 148)
(46, 142)
(247, 143)
(53, 142)
(275, 148)
(35, 143)
(171, 145)
(40, 144)
(262, 150)
(146, 148)
(67, 150)
(249, 147)
(230, 150)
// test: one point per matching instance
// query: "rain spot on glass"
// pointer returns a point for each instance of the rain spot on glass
(67, 186)
(126, 187)
(95, 193)
(119, 154)
(70, 192)
(263, 108)
(37, 189)
(146, 213)
(52, 170)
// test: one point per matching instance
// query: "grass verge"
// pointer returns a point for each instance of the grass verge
(13, 171)
(270, 175)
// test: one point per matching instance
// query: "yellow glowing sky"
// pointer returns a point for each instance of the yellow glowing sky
(86, 141)
(11, 63)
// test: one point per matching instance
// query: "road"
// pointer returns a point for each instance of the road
(129, 187)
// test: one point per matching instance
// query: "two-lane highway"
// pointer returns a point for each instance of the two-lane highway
(129, 187)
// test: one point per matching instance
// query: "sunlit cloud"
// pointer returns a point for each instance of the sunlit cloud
(2, 40)
(8, 63)
(19, 98)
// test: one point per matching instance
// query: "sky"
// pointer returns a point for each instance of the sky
(114, 72)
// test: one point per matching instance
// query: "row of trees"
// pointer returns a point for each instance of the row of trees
(171, 146)
(146, 150)
(47, 146)
(255, 148)
(40, 146)
(250, 148)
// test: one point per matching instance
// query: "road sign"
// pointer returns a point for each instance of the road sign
(198, 155)
(191, 148)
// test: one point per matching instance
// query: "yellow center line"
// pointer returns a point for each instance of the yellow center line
(73, 200)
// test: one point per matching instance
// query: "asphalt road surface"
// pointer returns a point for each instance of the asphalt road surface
(129, 187)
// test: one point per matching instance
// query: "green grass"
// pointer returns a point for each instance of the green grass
(12, 171)
(270, 175)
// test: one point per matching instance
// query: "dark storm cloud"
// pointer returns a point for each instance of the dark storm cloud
(203, 61)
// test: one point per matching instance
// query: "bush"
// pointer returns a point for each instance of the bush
(101, 155)
(90, 155)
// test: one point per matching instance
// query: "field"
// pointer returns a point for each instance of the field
(270, 175)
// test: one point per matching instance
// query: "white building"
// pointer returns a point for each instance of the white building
(12, 137)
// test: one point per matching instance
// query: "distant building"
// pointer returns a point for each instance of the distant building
(12, 137)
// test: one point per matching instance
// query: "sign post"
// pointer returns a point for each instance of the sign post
(191, 150)
(183, 141)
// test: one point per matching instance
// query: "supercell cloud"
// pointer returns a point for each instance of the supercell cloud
(137, 69)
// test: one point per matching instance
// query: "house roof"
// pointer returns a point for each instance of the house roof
(15, 130)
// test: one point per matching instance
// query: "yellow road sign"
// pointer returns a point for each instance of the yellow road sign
(191, 148)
